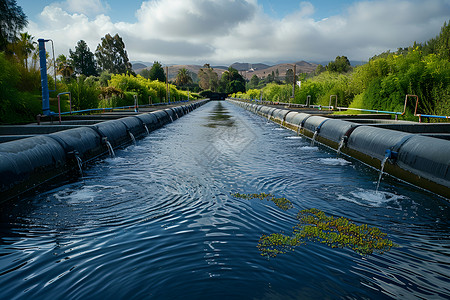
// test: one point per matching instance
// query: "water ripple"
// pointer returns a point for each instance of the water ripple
(159, 221)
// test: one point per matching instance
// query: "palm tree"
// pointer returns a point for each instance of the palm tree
(183, 77)
(63, 67)
(26, 46)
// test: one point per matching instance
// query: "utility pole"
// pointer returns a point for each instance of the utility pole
(167, 84)
(294, 82)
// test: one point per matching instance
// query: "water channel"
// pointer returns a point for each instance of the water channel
(158, 221)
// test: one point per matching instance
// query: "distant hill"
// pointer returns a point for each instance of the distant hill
(246, 69)
(249, 66)
(138, 66)
(173, 70)
(301, 67)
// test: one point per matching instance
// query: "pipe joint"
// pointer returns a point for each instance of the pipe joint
(391, 154)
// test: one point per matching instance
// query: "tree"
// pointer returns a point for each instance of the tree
(319, 69)
(444, 41)
(157, 72)
(232, 82)
(145, 73)
(63, 67)
(289, 79)
(183, 77)
(209, 80)
(23, 47)
(111, 55)
(340, 65)
(254, 81)
(12, 21)
(83, 59)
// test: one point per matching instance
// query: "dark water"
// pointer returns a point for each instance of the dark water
(158, 221)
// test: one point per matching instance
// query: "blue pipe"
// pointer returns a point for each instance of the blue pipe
(112, 108)
(44, 80)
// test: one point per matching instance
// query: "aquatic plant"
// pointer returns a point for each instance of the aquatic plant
(314, 225)
(282, 203)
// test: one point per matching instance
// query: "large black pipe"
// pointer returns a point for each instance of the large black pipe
(419, 159)
(29, 163)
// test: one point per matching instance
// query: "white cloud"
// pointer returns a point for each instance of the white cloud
(225, 31)
(87, 7)
(193, 19)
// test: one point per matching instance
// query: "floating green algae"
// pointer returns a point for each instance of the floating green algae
(315, 226)
(282, 203)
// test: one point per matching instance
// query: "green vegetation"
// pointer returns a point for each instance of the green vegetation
(20, 96)
(281, 203)
(83, 60)
(380, 84)
(112, 56)
(315, 226)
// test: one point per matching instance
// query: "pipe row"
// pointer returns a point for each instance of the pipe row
(418, 159)
(29, 163)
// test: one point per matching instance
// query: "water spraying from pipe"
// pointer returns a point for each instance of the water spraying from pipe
(381, 171)
(80, 164)
(341, 144)
(132, 138)
(314, 138)
(110, 149)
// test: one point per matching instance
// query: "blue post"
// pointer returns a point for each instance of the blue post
(44, 82)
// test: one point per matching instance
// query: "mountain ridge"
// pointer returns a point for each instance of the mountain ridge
(246, 69)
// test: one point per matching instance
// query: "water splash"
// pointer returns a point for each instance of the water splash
(333, 161)
(314, 138)
(371, 198)
(80, 164)
(268, 118)
(132, 138)
(381, 171)
(110, 149)
(309, 148)
(341, 144)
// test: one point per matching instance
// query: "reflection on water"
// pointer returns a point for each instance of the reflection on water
(219, 117)
(158, 221)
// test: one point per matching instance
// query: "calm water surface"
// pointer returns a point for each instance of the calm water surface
(158, 221)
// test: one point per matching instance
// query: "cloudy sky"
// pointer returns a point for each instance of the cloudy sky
(227, 31)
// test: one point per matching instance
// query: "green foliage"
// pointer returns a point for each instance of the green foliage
(254, 81)
(183, 78)
(384, 82)
(83, 60)
(12, 21)
(232, 82)
(84, 94)
(380, 84)
(209, 80)
(15, 106)
(340, 65)
(112, 56)
(336, 232)
(289, 78)
(104, 79)
(277, 93)
(145, 88)
(281, 203)
(157, 72)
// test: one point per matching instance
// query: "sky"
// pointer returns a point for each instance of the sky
(228, 31)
